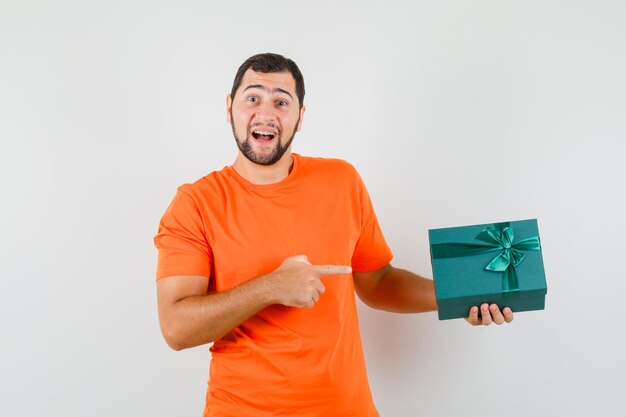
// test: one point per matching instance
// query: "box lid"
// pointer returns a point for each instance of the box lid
(466, 277)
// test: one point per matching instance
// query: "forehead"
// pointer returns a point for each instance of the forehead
(270, 80)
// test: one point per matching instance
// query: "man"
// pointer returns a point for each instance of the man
(263, 258)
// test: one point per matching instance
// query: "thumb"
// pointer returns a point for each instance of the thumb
(323, 270)
(299, 258)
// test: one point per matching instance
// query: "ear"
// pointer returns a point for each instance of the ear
(302, 110)
(229, 106)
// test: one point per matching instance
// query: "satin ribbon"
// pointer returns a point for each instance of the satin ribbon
(500, 239)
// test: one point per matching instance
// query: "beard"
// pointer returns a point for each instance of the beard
(264, 159)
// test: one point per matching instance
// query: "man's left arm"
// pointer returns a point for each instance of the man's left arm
(401, 291)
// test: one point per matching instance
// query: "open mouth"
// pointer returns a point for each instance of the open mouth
(263, 136)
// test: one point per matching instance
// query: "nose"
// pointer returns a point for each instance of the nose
(265, 112)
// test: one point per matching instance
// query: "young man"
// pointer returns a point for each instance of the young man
(263, 258)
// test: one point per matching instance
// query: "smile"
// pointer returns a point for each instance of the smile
(263, 135)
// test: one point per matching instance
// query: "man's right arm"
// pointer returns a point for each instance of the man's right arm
(191, 316)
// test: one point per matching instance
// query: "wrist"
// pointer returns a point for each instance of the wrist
(266, 289)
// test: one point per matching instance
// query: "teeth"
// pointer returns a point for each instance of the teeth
(263, 132)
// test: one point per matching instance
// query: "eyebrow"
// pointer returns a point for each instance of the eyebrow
(273, 90)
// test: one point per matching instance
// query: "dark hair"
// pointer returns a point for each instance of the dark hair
(269, 62)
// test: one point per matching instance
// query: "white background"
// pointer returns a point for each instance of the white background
(454, 112)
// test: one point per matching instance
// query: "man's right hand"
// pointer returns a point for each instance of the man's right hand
(297, 283)
(191, 316)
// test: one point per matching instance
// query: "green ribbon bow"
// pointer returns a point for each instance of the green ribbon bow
(500, 240)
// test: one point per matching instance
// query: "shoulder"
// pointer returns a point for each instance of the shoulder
(210, 184)
(206, 191)
(328, 167)
(334, 177)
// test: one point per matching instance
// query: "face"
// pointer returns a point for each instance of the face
(265, 115)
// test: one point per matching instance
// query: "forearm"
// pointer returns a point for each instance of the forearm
(201, 319)
(191, 317)
(401, 291)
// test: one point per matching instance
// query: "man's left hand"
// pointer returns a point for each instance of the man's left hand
(489, 314)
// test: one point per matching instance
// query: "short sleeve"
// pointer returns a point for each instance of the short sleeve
(181, 240)
(371, 251)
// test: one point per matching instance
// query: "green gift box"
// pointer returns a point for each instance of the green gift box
(487, 263)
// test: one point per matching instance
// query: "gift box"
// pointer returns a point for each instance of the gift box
(487, 263)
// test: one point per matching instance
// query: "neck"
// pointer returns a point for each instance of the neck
(264, 174)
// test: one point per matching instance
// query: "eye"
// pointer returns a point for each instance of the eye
(253, 99)
(282, 103)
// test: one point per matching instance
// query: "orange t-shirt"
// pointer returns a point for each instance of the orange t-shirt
(283, 360)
